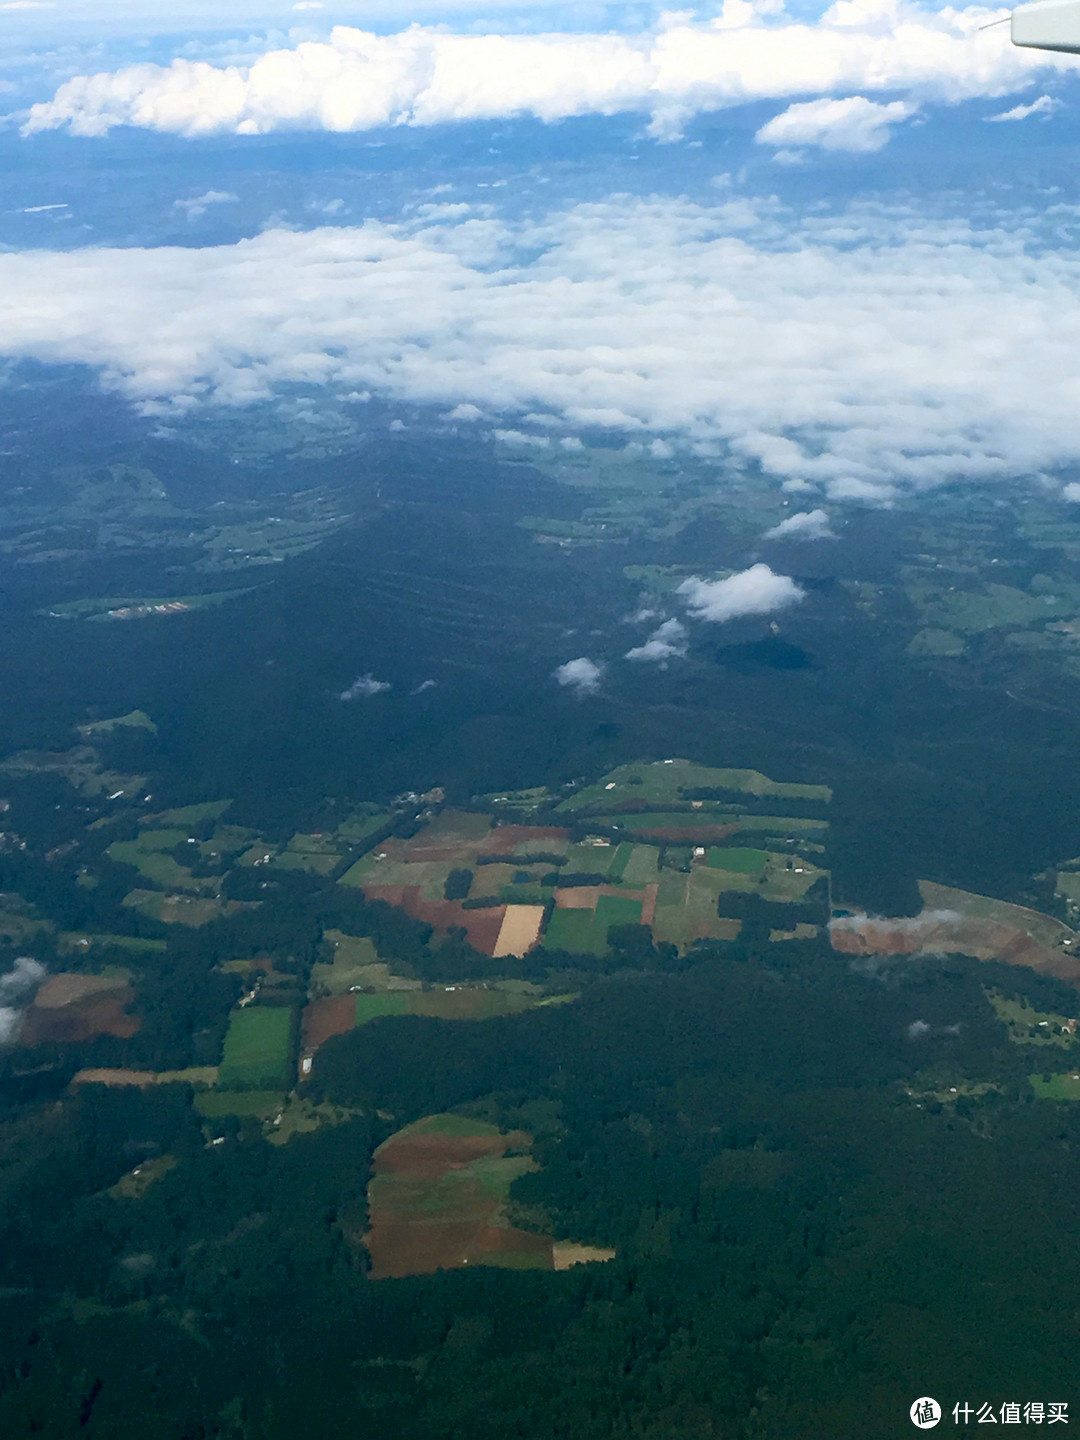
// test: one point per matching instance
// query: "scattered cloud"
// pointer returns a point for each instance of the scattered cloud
(854, 124)
(757, 591)
(424, 686)
(1072, 490)
(859, 352)
(806, 525)
(40, 209)
(426, 75)
(582, 675)
(1044, 105)
(665, 643)
(199, 204)
(16, 987)
(363, 687)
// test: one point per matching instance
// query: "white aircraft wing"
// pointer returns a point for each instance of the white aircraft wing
(1048, 25)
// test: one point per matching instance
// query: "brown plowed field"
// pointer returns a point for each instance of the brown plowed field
(584, 897)
(481, 926)
(981, 939)
(648, 905)
(334, 1015)
(431, 1210)
(99, 1013)
(505, 839)
(411, 1247)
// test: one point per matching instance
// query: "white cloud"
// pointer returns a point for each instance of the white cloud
(425, 75)
(854, 124)
(199, 204)
(1044, 105)
(363, 687)
(757, 591)
(15, 990)
(806, 525)
(864, 352)
(582, 675)
(666, 642)
(1072, 491)
(465, 411)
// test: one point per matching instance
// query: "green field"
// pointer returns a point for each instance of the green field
(257, 1049)
(663, 782)
(371, 1007)
(190, 815)
(1058, 1087)
(1028, 1026)
(215, 1104)
(576, 931)
(739, 859)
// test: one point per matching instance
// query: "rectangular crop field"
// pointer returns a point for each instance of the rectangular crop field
(739, 858)
(372, 1007)
(257, 1047)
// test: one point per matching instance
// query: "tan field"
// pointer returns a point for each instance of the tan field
(565, 1254)
(520, 929)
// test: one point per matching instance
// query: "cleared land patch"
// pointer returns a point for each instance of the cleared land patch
(437, 1200)
(520, 930)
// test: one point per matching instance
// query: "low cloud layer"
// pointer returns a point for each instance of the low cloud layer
(363, 687)
(861, 352)
(757, 591)
(426, 76)
(667, 642)
(582, 675)
(855, 124)
(806, 525)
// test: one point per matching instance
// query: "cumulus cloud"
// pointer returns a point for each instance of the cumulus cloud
(757, 591)
(666, 642)
(854, 124)
(357, 80)
(582, 675)
(1072, 490)
(199, 204)
(806, 525)
(16, 987)
(864, 352)
(1044, 105)
(363, 687)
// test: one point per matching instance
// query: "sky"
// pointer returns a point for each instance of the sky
(834, 245)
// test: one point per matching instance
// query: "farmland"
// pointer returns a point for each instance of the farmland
(257, 1049)
(438, 1195)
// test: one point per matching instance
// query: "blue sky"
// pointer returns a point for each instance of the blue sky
(837, 246)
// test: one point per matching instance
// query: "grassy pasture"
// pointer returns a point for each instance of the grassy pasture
(216, 1104)
(1058, 1087)
(737, 858)
(373, 1007)
(662, 782)
(257, 1049)
(576, 931)
(1028, 1026)
(642, 868)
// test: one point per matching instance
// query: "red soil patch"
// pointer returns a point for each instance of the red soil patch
(481, 926)
(428, 1156)
(405, 1239)
(505, 839)
(99, 1013)
(584, 897)
(400, 1248)
(648, 905)
(335, 1015)
(982, 939)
